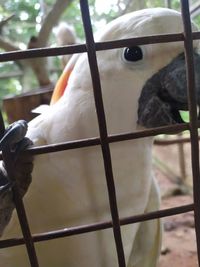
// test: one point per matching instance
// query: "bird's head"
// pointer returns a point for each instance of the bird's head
(142, 85)
(145, 85)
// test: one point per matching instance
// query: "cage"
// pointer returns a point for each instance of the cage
(104, 139)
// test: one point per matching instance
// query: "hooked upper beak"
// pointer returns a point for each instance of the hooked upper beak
(165, 94)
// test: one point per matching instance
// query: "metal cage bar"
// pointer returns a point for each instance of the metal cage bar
(104, 140)
(188, 42)
(21, 213)
(98, 226)
(90, 44)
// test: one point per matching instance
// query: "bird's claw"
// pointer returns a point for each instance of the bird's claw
(13, 135)
(17, 166)
(5, 188)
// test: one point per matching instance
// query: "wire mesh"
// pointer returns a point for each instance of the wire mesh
(104, 139)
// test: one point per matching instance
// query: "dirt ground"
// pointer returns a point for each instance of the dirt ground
(179, 243)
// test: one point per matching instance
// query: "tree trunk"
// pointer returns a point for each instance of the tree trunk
(39, 65)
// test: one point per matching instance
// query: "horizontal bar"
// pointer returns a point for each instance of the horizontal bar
(80, 48)
(111, 139)
(142, 40)
(98, 226)
(170, 129)
(42, 52)
(168, 142)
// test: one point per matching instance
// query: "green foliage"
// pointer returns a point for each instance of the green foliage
(175, 4)
(9, 86)
(23, 25)
(197, 20)
(72, 16)
(185, 116)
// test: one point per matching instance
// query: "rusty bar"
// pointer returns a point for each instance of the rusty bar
(181, 158)
(168, 3)
(111, 139)
(102, 130)
(98, 226)
(142, 40)
(42, 52)
(2, 126)
(193, 116)
(160, 142)
(196, 35)
(80, 48)
(25, 227)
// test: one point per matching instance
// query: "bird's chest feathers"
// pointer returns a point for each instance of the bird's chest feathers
(77, 186)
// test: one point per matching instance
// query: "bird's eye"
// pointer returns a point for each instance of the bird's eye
(133, 54)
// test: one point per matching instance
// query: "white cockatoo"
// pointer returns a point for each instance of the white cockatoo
(142, 86)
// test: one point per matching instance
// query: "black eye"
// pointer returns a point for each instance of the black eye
(133, 53)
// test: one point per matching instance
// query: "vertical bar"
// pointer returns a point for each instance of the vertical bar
(181, 157)
(25, 227)
(19, 204)
(193, 117)
(103, 130)
(168, 3)
(2, 126)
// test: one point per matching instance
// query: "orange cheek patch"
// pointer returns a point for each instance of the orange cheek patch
(60, 86)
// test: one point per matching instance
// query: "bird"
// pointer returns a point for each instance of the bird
(143, 86)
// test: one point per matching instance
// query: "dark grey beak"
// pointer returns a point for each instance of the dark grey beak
(165, 94)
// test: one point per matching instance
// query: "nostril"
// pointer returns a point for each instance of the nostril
(164, 95)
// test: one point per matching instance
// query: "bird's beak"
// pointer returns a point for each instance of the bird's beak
(165, 94)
